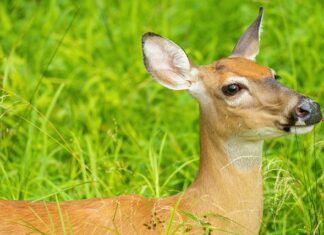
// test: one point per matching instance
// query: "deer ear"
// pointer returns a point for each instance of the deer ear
(166, 62)
(249, 43)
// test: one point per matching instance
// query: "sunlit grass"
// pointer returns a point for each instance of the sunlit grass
(81, 118)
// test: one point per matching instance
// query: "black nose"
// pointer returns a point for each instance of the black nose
(307, 112)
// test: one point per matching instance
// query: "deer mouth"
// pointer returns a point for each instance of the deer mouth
(300, 129)
(297, 129)
(303, 117)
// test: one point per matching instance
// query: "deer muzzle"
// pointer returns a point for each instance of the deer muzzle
(306, 113)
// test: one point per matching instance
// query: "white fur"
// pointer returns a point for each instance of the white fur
(253, 56)
(199, 92)
(243, 96)
(240, 99)
(245, 150)
(301, 129)
(243, 154)
(194, 72)
(300, 122)
(273, 72)
(238, 79)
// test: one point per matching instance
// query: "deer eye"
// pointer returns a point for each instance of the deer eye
(231, 89)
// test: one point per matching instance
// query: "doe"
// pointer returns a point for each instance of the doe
(241, 104)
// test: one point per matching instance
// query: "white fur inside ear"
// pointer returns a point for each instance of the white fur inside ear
(167, 63)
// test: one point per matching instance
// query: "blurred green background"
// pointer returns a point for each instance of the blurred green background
(81, 118)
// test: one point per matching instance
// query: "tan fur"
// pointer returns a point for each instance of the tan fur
(226, 199)
(226, 196)
(220, 200)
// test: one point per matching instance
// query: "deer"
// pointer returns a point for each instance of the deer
(241, 104)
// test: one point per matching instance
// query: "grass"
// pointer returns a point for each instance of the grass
(81, 118)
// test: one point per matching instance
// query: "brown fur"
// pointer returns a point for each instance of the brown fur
(221, 199)
(243, 67)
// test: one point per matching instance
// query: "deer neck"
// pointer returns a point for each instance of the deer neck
(228, 181)
(221, 154)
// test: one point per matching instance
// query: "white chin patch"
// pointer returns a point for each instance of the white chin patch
(300, 129)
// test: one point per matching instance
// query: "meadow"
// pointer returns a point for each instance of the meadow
(80, 117)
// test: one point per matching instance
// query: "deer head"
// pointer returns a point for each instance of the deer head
(237, 96)
(242, 96)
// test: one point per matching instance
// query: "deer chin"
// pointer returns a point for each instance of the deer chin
(261, 133)
(300, 129)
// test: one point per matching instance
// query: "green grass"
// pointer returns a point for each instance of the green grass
(81, 118)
